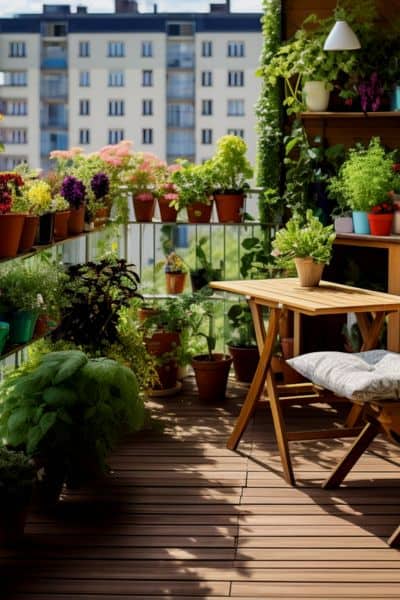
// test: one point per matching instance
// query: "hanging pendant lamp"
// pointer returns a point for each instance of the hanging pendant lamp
(342, 37)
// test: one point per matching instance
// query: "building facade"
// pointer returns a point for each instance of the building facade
(173, 83)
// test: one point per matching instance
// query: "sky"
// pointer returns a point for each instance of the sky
(9, 8)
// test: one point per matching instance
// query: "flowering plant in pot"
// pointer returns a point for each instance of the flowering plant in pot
(194, 187)
(308, 243)
(61, 217)
(175, 273)
(11, 223)
(142, 181)
(17, 478)
(380, 217)
(74, 191)
(363, 181)
(231, 171)
(39, 201)
(167, 195)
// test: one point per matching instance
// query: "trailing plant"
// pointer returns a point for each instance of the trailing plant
(304, 237)
(365, 178)
(70, 407)
(96, 292)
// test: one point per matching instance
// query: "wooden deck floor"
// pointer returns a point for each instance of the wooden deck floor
(180, 516)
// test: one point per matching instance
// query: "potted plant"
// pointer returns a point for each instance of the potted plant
(17, 478)
(230, 174)
(80, 408)
(380, 218)
(175, 273)
(167, 194)
(142, 182)
(39, 201)
(204, 272)
(11, 223)
(242, 342)
(74, 191)
(21, 204)
(61, 217)
(308, 243)
(212, 368)
(194, 185)
(364, 180)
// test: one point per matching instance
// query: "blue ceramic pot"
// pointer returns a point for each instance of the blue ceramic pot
(360, 222)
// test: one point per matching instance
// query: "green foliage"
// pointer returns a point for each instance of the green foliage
(69, 406)
(203, 263)
(169, 314)
(241, 325)
(193, 184)
(365, 178)
(304, 237)
(17, 475)
(269, 112)
(203, 311)
(230, 168)
(256, 262)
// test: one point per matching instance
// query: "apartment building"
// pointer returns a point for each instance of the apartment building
(173, 83)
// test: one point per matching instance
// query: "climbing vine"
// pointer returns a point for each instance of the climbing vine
(269, 114)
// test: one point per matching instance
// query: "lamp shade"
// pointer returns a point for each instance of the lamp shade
(342, 37)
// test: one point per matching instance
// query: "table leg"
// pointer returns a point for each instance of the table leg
(257, 385)
(394, 539)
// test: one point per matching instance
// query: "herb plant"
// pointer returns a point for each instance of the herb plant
(230, 168)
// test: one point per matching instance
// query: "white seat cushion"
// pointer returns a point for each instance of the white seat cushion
(363, 376)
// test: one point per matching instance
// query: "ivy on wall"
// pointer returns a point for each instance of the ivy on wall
(269, 112)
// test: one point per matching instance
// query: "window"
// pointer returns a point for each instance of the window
(116, 49)
(8, 163)
(11, 135)
(84, 78)
(206, 107)
(147, 136)
(147, 78)
(84, 107)
(206, 49)
(147, 107)
(84, 49)
(206, 78)
(17, 50)
(235, 108)
(115, 136)
(236, 49)
(84, 136)
(206, 136)
(116, 79)
(147, 49)
(235, 78)
(238, 132)
(16, 78)
(116, 108)
(16, 108)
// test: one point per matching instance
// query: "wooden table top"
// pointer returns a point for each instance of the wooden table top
(327, 298)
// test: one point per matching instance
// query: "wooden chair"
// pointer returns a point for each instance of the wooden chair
(381, 417)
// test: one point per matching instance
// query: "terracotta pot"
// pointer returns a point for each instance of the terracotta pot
(198, 212)
(168, 213)
(101, 216)
(145, 312)
(61, 219)
(380, 224)
(162, 342)
(175, 282)
(76, 221)
(211, 375)
(11, 225)
(167, 375)
(309, 272)
(42, 326)
(144, 207)
(245, 361)
(29, 230)
(229, 207)
(45, 231)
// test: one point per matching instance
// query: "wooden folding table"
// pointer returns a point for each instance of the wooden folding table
(279, 295)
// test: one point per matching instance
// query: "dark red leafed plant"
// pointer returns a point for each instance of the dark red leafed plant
(7, 181)
(383, 208)
(371, 92)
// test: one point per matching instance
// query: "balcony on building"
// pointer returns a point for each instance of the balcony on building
(54, 56)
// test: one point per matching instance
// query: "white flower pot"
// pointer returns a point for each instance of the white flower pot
(396, 222)
(316, 96)
(343, 224)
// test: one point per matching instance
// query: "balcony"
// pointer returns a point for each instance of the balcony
(54, 89)
(50, 62)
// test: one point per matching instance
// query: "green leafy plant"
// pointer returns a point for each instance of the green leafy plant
(230, 168)
(204, 271)
(193, 184)
(241, 328)
(68, 406)
(202, 319)
(304, 237)
(365, 178)
(17, 476)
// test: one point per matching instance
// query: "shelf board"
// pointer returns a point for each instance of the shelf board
(18, 347)
(212, 223)
(349, 115)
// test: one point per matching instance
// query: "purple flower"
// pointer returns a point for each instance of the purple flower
(73, 191)
(100, 185)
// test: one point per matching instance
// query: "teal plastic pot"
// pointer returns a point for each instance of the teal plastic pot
(22, 326)
(4, 331)
(395, 98)
(360, 222)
